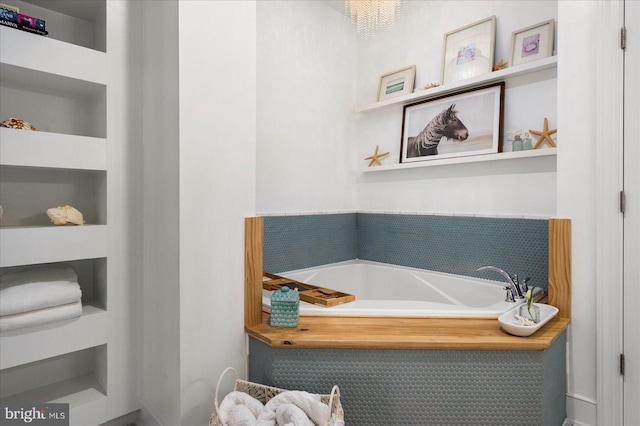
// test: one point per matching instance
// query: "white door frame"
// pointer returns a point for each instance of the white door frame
(609, 220)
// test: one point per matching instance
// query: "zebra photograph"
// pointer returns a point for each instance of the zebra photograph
(462, 124)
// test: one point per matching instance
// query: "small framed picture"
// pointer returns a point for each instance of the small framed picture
(456, 125)
(532, 43)
(396, 83)
(468, 51)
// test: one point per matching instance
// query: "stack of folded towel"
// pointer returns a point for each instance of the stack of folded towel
(291, 408)
(38, 294)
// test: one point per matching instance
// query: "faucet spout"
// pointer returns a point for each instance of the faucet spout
(512, 280)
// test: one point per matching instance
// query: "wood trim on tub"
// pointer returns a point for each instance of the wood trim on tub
(560, 265)
(253, 265)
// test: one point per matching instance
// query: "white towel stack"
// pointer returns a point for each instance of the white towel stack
(38, 294)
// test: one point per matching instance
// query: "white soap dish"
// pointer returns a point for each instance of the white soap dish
(509, 323)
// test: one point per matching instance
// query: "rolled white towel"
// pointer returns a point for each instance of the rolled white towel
(314, 409)
(41, 316)
(29, 288)
(239, 409)
(291, 415)
(38, 273)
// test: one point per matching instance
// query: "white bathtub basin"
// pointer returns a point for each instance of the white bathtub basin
(389, 290)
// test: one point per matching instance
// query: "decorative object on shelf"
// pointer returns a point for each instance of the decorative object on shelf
(371, 16)
(526, 143)
(63, 215)
(462, 124)
(516, 142)
(9, 7)
(429, 86)
(500, 65)
(14, 19)
(396, 83)
(375, 158)
(532, 43)
(544, 135)
(285, 308)
(16, 123)
(1, 212)
(468, 51)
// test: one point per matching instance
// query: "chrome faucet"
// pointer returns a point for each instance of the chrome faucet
(514, 292)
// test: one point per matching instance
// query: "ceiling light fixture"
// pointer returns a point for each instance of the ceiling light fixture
(372, 16)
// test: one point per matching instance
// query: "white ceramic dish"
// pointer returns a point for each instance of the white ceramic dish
(509, 323)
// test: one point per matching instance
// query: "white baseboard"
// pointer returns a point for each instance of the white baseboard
(581, 411)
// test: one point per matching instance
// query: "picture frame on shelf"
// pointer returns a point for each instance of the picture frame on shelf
(396, 83)
(532, 43)
(454, 125)
(468, 51)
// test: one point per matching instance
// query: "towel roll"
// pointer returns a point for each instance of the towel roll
(29, 288)
(41, 316)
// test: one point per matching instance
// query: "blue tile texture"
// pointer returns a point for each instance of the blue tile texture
(425, 387)
(296, 242)
(452, 244)
(457, 245)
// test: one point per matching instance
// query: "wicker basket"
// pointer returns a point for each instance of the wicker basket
(264, 393)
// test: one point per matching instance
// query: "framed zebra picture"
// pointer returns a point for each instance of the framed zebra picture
(455, 125)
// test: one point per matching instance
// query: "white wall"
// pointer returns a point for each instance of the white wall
(217, 93)
(306, 75)
(160, 367)
(519, 187)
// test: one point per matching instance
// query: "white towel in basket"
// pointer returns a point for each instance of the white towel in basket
(240, 409)
(294, 407)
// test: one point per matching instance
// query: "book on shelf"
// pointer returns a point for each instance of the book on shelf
(22, 19)
(22, 27)
(9, 7)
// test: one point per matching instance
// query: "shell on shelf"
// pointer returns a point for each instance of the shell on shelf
(63, 215)
(16, 123)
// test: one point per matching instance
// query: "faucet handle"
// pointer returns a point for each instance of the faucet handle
(509, 297)
(525, 284)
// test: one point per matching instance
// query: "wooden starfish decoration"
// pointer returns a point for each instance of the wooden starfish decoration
(375, 158)
(544, 135)
(500, 65)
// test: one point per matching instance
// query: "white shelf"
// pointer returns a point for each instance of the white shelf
(29, 245)
(51, 150)
(77, 392)
(544, 152)
(18, 347)
(48, 59)
(519, 70)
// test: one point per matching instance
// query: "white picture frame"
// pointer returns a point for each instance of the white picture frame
(468, 51)
(454, 125)
(532, 43)
(396, 83)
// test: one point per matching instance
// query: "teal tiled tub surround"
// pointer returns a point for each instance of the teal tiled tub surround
(451, 244)
(425, 387)
(457, 244)
(303, 241)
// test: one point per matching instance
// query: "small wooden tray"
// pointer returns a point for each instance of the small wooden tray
(308, 293)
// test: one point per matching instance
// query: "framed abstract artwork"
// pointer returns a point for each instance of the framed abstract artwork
(532, 43)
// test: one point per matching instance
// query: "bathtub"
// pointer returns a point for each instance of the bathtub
(389, 290)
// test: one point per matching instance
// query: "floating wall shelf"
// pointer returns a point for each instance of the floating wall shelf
(519, 70)
(544, 152)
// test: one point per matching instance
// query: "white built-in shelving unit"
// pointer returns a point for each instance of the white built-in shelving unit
(516, 76)
(58, 84)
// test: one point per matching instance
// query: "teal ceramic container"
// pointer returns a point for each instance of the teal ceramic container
(285, 308)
